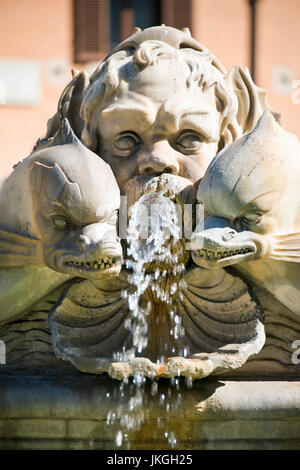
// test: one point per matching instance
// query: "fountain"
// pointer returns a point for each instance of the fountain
(134, 337)
(154, 253)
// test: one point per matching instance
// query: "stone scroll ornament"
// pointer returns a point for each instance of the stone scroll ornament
(158, 82)
(58, 213)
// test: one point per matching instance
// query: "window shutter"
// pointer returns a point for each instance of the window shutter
(91, 30)
(176, 13)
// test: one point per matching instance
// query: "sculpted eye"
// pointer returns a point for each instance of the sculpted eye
(252, 218)
(60, 222)
(126, 142)
(189, 141)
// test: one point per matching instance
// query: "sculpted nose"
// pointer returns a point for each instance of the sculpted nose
(228, 234)
(83, 241)
(160, 159)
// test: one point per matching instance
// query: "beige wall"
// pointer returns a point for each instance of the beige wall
(42, 30)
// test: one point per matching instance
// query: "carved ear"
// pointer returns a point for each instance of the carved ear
(252, 101)
(69, 106)
(266, 125)
(65, 135)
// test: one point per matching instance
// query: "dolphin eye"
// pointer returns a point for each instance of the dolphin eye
(252, 218)
(60, 222)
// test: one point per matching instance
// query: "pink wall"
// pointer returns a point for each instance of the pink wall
(38, 30)
(223, 27)
(278, 39)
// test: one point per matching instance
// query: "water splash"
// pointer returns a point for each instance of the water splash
(154, 253)
(154, 233)
(136, 404)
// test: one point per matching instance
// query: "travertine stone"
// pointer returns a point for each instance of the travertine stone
(55, 223)
(150, 118)
(60, 413)
(251, 192)
(135, 109)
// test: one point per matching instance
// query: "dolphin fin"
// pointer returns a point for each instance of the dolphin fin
(19, 250)
(286, 248)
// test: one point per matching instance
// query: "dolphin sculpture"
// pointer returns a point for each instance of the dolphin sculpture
(251, 194)
(58, 214)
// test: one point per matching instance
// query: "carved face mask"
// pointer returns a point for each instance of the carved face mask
(251, 193)
(157, 124)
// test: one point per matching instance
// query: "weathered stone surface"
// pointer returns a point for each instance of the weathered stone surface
(55, 223)
(62, 414)
(148, 120)
(252, 196)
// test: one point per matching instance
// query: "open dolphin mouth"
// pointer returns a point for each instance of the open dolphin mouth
(93, 262)
(218, 258)
(222, 254)
(220, 246)
(100, 264)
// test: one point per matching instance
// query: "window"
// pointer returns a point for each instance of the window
(176, 13)
(91, 30)
(99, 25)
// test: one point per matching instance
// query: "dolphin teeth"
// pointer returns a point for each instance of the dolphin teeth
(92, 265)
(211, 255)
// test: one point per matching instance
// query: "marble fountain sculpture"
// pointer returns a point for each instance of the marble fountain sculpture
(159, 124)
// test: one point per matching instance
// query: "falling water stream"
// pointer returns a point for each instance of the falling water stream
(154, 253)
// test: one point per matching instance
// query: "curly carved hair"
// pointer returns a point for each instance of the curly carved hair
(118, 68)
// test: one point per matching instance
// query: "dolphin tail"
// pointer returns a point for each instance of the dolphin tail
(286, 248)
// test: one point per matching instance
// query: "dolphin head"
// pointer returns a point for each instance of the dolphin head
(250, 192)
(75, 202)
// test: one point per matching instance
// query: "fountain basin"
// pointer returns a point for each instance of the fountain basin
(38, 412)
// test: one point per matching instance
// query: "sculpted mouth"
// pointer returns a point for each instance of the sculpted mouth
(219, 255)
(94, 265)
